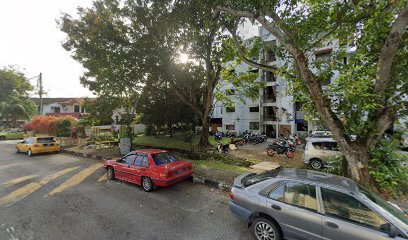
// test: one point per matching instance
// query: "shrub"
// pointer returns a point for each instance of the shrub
(43, 124)
(63, 127)
(386, 167)
(27, 127)
(188, 136)
(150, 130)
(59, 126)
(100, 137)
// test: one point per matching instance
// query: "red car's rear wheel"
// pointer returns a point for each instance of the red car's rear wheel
(147, 184)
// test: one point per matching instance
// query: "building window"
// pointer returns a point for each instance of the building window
(82, 110)
(230, 127)
(269, 53)
(76, 108)
(230, 92)
(301, 125)
(254, 109)
(57, 109)
(230, 109)
(270, 77)
(254, 126)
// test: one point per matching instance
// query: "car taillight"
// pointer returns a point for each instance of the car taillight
(231, 196)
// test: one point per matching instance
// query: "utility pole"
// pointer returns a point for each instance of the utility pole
(40, 92)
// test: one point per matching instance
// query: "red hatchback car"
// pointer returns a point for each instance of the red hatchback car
(149, 168)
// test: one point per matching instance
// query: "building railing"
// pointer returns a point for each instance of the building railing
(269, 118)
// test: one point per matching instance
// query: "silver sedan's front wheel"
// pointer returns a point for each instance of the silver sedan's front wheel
(264, 229)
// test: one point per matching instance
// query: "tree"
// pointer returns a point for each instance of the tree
(124, 45)
(99, 111)
(15, 103)
(369, 93)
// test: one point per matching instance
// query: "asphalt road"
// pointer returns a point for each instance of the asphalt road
(56, 196)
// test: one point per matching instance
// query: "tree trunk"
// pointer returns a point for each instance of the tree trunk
(204, 143)
(357, 160)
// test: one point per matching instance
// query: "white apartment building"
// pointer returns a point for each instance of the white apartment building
(275, 113)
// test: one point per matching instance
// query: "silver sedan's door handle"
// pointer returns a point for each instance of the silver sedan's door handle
(332, 225)
(276, 207)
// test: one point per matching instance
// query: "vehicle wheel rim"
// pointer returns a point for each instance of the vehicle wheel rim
(264, 231)
(291, 154)
(270, 152)
(146, 184)
(316, 165)
(29, 152)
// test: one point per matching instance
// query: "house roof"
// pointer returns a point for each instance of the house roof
(65, 101)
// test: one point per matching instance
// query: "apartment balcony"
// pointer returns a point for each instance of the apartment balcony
(270, 118)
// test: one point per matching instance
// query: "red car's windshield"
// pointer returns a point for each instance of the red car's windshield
(163, 158)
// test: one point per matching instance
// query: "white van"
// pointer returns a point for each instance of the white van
(318, 152)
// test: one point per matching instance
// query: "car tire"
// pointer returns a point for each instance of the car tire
(147, 184)
(316, 164)
(262, 228)
(29, 153)
(110, 173)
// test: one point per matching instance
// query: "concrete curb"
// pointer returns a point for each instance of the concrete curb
(196, 178)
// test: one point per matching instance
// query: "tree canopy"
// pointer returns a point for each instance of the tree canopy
(15, 103)
(370, 90)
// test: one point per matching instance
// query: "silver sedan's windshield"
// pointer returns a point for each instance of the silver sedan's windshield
(390, 208)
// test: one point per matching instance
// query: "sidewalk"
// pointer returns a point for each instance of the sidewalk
(214, 178)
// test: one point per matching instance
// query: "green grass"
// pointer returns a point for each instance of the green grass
(172, 142)
(218, 166)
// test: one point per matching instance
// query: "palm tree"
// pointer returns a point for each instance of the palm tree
(10, 113)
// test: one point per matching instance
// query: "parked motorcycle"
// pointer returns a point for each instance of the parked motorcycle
(281, 146)
(218, 136)
(222, 148)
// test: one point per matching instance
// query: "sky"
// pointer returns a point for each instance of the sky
(31, 40)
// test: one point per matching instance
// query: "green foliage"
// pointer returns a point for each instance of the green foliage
(63, 128)
(386, 166)
(100, 110)
(188, 136)
(335, 165)
(101, 137)
(150, 130)
(15, 103)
